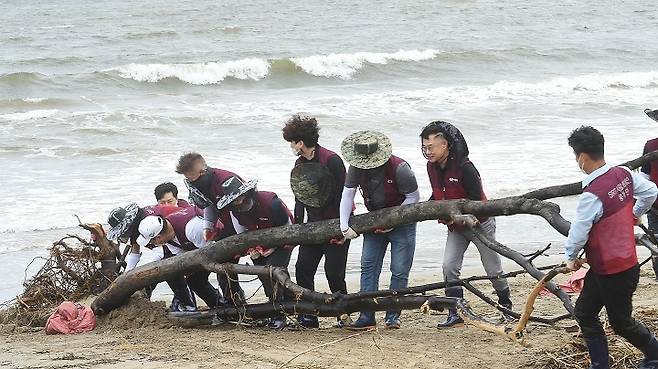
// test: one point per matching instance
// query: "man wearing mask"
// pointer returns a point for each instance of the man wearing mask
(317, 182)
(205, 186)
(251, 210)
(603, 226)
(385, 180)
(453, 176)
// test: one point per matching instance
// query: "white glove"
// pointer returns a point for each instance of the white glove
(349, 233)
(132, 260)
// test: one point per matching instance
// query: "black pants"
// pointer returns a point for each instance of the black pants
(335, 260)
(279, 258)
(200, 285)
(230, 287)
(615, 292)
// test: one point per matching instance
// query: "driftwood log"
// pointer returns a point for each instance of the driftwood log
(460, 212)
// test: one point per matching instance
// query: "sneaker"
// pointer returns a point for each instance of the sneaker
(277, 323)
(392, 324)
(343, 321)
(453, 321)
(364, 322)
(308, 321)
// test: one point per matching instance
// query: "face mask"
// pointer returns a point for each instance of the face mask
(203, 182)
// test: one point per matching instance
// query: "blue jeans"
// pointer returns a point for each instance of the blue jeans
(403, 245)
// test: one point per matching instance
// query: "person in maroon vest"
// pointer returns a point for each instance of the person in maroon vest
(167, 195)
(603, 226)
(453, 176)
(251, 210)
(205, 186)
(328, 170)
(385, 180)
(650, 170)
(181, 231)
(124, 222)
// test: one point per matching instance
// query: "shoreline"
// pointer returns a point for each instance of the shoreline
(132, 338)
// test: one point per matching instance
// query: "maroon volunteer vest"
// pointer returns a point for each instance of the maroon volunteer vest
(449, 184)
(650, 146)
(221, 176)
(183, 204)
(331, 210)
(392, 195)
(611, 245)
(261, 216)
(178, 221)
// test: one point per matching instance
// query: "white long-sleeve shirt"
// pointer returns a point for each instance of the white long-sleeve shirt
(590, 209)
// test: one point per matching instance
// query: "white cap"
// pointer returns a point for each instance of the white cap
(149, 227)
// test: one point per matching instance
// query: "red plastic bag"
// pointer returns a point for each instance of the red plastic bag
(71, 318)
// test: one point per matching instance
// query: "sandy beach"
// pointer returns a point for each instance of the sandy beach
(139, 336)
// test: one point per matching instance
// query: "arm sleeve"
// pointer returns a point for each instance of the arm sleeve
(210, 216)
(346, 203)
(132, 259)
(239, 228)
(279, 213)
(405, 178)
(588, 211)
(472, 182)
(646, 167)
(644, 191)
(411, 198)
(194, 233)
(299, 212)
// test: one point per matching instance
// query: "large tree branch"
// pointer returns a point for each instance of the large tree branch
(315, 233)
(576, 188)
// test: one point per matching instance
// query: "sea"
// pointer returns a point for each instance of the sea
(99, 99)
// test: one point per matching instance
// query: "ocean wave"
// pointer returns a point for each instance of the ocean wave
(20, 77)
(342, 66)
(29, 115)
(198, 73)
(31, 102)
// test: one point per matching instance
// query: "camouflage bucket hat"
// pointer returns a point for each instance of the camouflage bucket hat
(366, 149)
(120, 220)
(312, 184)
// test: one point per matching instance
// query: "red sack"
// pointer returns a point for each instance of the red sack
(71, 318)
(573, 285)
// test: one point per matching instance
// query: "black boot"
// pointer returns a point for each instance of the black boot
(453, 318)
(598, 352)
(650, 351)
(505, 301)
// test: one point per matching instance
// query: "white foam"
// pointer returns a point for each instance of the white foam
(344, 66)
(28, 115)
(198, 73)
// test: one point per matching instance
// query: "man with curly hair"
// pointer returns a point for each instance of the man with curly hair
(321, 172)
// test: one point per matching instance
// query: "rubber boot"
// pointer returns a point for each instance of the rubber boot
(505, 301)
(453, 319)
(598, 352)
(650, 351)
(366, 321)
